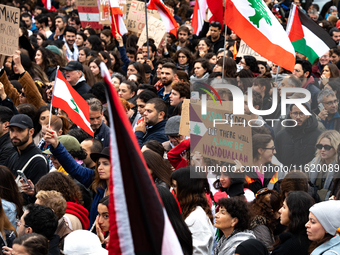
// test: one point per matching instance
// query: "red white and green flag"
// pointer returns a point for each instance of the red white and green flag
(67, 99)
(307, 37)
(255, 24)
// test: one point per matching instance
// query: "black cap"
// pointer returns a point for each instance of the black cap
(73, 66)
(104, 154)
(21, 121)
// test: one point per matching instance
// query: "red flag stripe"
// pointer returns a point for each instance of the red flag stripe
(263, 46)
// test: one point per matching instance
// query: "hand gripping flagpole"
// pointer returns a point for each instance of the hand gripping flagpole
(146, 25)
(49, 120)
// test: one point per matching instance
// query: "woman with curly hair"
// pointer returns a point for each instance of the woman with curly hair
(264, 214)
(294, 214)
(232, 220)
(10, 196)
(202, 70)
(196, 211)
(76, 214)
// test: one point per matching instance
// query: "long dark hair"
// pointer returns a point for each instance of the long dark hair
(191, 192)
(298, 203)
(158, 167)
(140, 69)
(9, 189)
(181, 229)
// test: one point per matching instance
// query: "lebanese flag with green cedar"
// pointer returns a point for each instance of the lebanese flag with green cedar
(255, 24)
(67, 99)
(307, 37)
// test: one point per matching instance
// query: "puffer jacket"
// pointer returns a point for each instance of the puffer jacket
(228, 245)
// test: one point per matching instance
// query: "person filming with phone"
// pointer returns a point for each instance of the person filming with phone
(328, 104)
(27, 157)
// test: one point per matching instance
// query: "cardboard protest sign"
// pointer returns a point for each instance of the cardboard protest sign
(224, 142)
(9, 29)
(184, 127)
(104, 12)
(246, 50)
(125, 7)
(156, 31)
(89, 13)
(136, 17)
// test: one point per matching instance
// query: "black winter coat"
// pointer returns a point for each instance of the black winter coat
(296, 145)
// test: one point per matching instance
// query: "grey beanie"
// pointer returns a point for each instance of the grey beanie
(172, 125)
(54, 49)
(327, 213)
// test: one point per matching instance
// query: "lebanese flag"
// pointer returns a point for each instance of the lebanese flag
(116, 18)
(216, 8)
(169, 21)
(67, 99)
(138, 221)
(48, 5)
(307, 37)
(199, 16)
(260, 30)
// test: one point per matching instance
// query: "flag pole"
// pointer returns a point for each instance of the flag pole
(49, 119)
(147, 30)
(277, 73)
(225, 39)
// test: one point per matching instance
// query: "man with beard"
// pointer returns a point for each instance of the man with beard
(296, 145)
(27, 18)
(27, 154)
(155, 118)
(69, 39)
(60, 24)
(168, 75)
(215, 36)
(303, 70)
(183, 34)
(329, 114)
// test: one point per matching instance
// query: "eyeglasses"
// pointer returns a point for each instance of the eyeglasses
(295, 114)
(215, 23)
(182, 56)
(19, 223)
(319, 146)
(272, 148)
(325, 56)
(23, 94)
(261, 192)
(329, 103)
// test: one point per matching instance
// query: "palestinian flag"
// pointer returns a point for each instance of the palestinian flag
(67, 99)
(307, 37)
(255, 24)
(139, 223)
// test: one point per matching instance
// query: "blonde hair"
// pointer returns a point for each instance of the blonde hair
(54, 200)
(334, 138)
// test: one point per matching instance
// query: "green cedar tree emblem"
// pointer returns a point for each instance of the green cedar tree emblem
(260, 12)
(75, 105)
(197, 130)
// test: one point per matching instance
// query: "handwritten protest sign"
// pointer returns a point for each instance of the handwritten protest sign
(89, 13)
(125, 7)
(136, 17)
(156, 31)
(184, 127)
(246, 50)
(104, 12)
(224, 142)
(9, 29)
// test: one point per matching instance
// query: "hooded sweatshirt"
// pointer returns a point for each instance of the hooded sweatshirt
(80, 212)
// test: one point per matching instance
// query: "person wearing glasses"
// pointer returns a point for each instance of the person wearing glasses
(323, 167)
(328, 105)
(295, 145)
(263, 174)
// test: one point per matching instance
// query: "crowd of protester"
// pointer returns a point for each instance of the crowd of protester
(62, 205)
